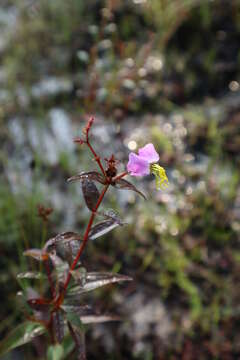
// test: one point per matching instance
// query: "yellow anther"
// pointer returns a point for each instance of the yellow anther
(161, 176)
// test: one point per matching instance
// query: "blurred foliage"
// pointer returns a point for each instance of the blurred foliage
(133, 64)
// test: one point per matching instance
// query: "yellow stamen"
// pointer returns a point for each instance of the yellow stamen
(160, 174)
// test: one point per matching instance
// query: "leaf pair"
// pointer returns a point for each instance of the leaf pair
(90, 191)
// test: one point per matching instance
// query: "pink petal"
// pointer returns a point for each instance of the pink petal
(137, 166)
(149, 153)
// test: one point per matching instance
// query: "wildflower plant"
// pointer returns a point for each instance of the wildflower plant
(58, 311)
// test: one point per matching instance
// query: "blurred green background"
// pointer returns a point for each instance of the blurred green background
(160, 71)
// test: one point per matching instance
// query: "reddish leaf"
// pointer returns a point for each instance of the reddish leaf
(102, 228)
(66, 245)
(95, 280)
(68, 236)
(124, 184)
(90, 193)
(112, 215)
(56, 260)
(61, 267)
(60, 238)
(58, 325)
(70, 250)
(37, 254)
(39, 304)
(90, 175)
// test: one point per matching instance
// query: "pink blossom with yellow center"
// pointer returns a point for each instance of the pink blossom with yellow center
(145, 163)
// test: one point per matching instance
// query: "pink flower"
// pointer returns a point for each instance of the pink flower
(145, 163)
(139, 165)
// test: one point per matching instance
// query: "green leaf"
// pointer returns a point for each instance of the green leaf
(75, 320)
(55, 352)
(68, 346)
(21, 335)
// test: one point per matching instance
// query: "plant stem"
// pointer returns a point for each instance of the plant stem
(120, 176)
(84, 242)
(97, 158)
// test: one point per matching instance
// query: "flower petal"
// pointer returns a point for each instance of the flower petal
(137, 166)
(149, 153)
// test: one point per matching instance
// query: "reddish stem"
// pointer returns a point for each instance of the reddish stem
(84, 242)
(120, 176)
(96, 157)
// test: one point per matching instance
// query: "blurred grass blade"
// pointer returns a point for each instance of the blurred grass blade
(21, 335)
